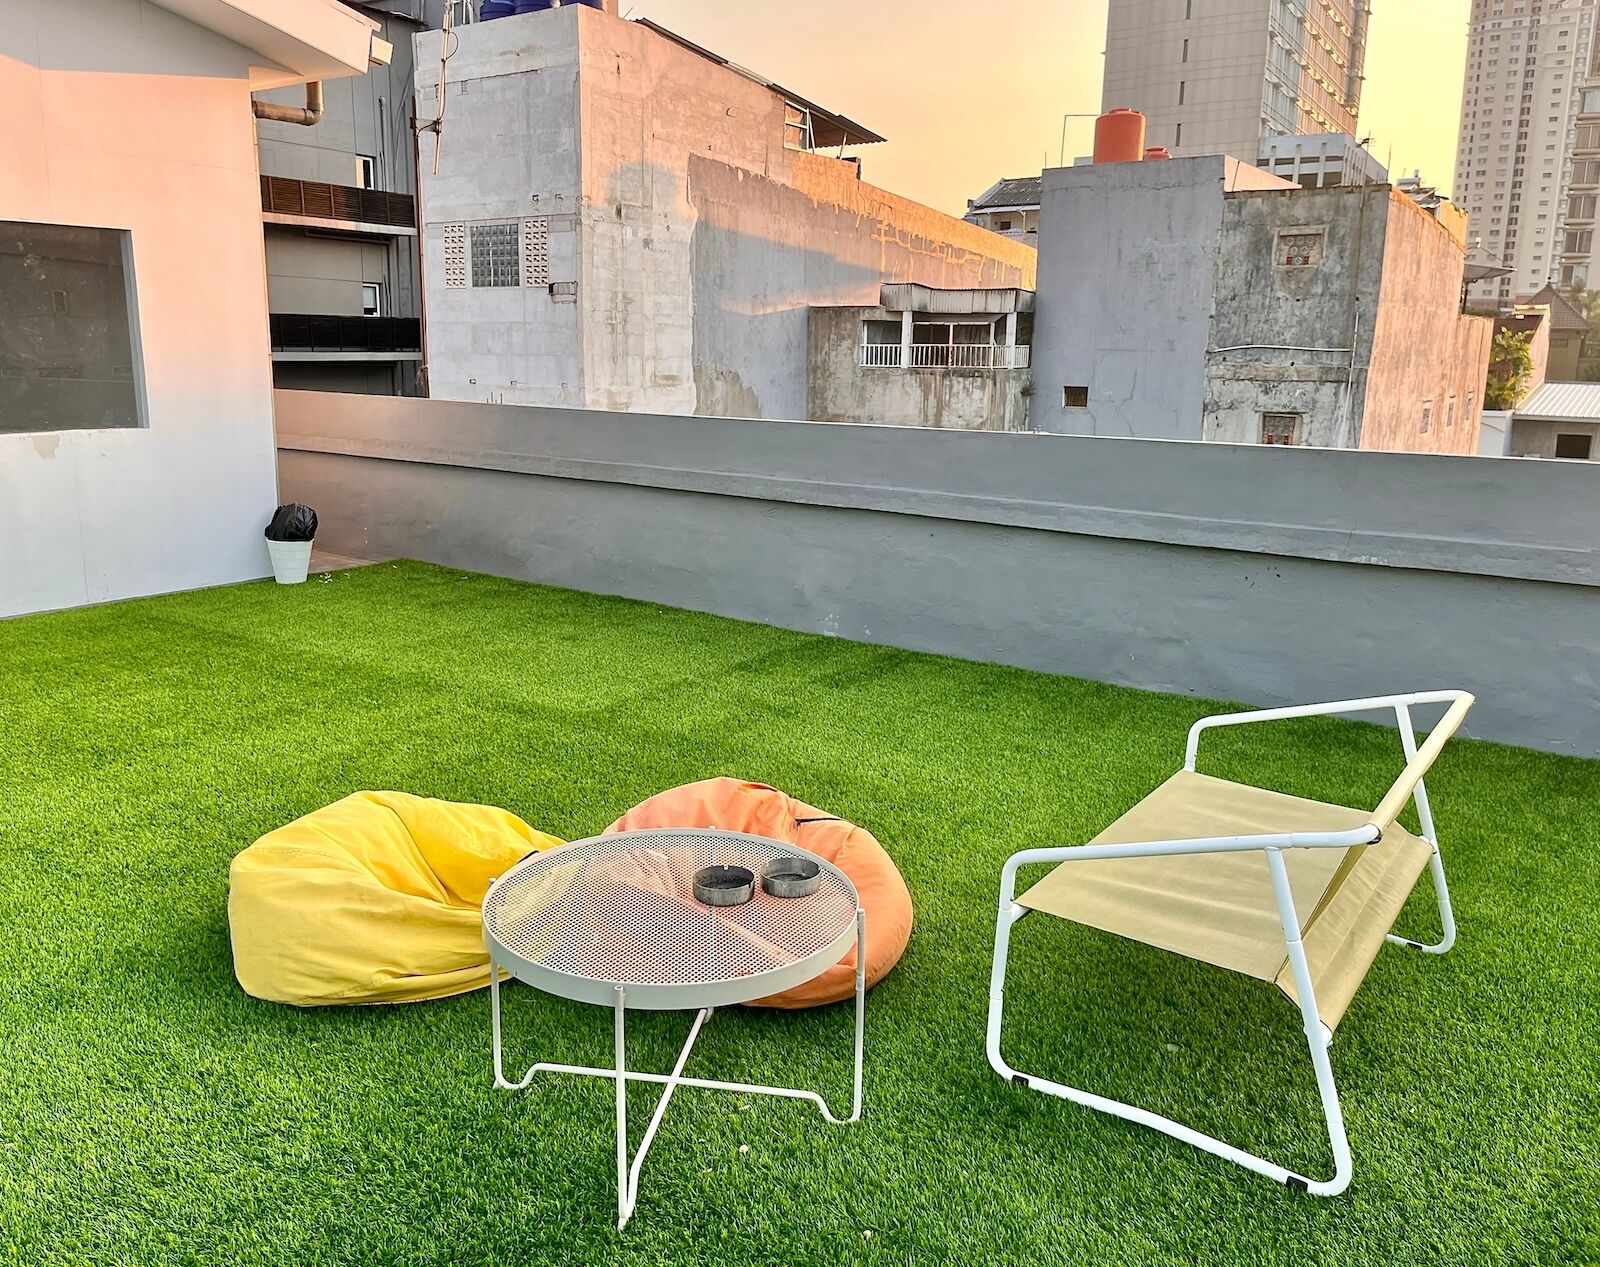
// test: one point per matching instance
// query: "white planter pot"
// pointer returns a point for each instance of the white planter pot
(290, 559)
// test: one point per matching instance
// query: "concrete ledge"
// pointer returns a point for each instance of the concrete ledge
(1485, 517)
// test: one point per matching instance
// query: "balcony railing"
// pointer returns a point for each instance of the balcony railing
(945, 356)
(307, 332)
(318, 200)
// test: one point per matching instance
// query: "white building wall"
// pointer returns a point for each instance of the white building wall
(121, 115)
(508, 152)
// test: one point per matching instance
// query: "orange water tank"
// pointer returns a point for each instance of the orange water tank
(1119, 136)
(1157, 151)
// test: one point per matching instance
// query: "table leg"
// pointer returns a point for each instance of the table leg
(500, 1080)
(861, 1009)
(624, 1197)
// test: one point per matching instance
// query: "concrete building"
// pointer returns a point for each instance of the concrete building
(623, 220)
(1202, 298)
(1568, 330)
(1218, 76)
(1009, 207)
(1558, 420)
(1528, 158)
(923, 357)
(136, 429)
(339, 222)
(1320, 159)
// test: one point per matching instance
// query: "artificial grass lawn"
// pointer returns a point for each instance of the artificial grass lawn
(150, 1112)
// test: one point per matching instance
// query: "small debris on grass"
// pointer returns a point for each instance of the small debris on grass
(867, 1235)
(744, 1148)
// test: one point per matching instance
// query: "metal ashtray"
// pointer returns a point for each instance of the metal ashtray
(724, 886)
(791, 877)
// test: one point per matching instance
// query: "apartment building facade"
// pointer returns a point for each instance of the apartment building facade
(1218, 76)
(1528, 155)
(339, 221)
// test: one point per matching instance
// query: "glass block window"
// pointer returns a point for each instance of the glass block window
(494, 255)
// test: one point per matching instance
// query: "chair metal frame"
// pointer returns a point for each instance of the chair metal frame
(1319, 1036)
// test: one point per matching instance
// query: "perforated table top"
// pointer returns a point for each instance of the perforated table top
(582, 920)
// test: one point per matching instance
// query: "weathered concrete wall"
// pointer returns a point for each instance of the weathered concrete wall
(1426, 356)
(1126, 285)
(1294, 338)
(1536, 438)
(508, 151)
(1218, 570)
(840, 389)
(764, 251)
(122, 115)
(699, 239)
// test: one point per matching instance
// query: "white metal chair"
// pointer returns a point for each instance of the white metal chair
(1221, 872)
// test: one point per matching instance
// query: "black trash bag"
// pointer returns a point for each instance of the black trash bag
(293, 522)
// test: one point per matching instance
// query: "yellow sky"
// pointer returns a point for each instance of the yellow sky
(969, 92)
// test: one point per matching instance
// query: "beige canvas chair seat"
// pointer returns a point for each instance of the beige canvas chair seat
(1299, 893)
(1220, 908)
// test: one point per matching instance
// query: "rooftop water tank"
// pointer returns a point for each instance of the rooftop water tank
(532, 6)
(1156, 151)
(1119, 136)
(491, 9)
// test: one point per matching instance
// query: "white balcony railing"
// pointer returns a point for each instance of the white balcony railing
(945, 356)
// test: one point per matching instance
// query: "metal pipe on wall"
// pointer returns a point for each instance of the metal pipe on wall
(308, 116)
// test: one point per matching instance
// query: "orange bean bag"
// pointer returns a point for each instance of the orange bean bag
(760, 810)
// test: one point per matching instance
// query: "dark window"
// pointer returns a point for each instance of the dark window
(1574, 446)
(1002, 225)
(67, 347)
(1074, 397)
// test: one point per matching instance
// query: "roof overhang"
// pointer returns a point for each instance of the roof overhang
(915, 297)
(298, 40)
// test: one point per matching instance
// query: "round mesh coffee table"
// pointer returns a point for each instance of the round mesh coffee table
(614, 921)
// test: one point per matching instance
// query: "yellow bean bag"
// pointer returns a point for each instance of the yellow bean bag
(373, 899)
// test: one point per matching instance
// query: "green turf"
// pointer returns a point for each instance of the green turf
(150, 1112)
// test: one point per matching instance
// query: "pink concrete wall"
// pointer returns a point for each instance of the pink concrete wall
(1424, 351)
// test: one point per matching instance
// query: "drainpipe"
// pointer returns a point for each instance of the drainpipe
(307, 117)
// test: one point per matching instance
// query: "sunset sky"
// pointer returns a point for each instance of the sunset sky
(967, 92)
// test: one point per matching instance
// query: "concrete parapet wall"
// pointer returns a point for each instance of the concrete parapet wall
(1238, 572)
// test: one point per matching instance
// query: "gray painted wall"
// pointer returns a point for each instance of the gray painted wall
(1126, 279)
(1224, 571)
